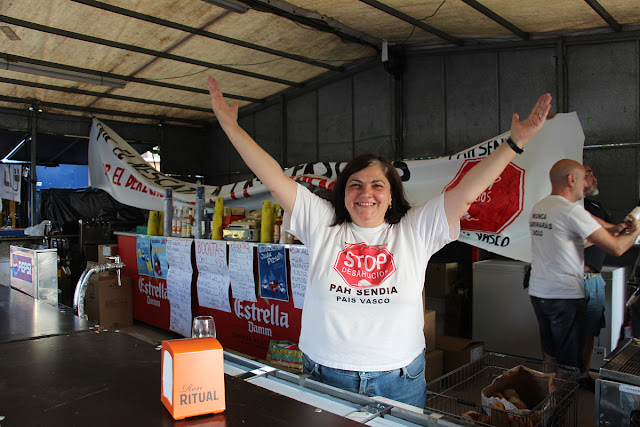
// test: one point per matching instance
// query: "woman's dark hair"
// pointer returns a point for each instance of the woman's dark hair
(399, 204)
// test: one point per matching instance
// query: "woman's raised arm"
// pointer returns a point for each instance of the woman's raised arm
(458, 200)
(266, 168)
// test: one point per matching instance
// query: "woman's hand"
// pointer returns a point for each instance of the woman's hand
(266, 168)
(522, 131)
(226, 114)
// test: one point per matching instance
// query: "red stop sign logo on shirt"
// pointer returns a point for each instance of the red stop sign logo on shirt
(364, 266)
(499, 205)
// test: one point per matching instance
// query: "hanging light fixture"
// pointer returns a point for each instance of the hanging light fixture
(42, 70)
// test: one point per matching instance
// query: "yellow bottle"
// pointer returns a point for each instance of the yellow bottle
(216, 220)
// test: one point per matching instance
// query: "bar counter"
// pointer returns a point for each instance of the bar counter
(57, 369)
(111, 378)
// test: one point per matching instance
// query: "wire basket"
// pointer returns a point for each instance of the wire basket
(459, 392)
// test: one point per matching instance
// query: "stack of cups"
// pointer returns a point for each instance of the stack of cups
(216, 221)
(197, 233)
(168, 213)
(266, 223)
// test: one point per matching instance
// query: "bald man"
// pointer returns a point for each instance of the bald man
(560, 227)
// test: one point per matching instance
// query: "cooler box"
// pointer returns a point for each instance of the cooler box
(34, 271)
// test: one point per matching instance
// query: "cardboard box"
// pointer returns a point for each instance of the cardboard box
(439, 306)
(458, 314)
(234, 211)
(439, 278)
(237, 210)
(433, 364)
(192, 377)
(105, 251)
(430, 329)
(108, 304)
(458, 351)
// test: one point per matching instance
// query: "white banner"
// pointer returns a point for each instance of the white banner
(10, 188)
(497, 222)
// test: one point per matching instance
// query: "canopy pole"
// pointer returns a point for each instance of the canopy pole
(33, 176)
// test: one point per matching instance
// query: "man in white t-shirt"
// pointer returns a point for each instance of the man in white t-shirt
(559, 227)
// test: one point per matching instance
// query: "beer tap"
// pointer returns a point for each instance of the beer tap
(81, 287)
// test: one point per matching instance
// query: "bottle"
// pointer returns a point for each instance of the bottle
(178, 219)
(174, 224)
(182, 224)
(169, 227)
(199, 212)
(634, 214)
(189, 222)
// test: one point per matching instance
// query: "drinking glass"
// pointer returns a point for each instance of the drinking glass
(203, 326)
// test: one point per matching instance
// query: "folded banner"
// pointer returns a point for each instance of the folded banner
(497, 221)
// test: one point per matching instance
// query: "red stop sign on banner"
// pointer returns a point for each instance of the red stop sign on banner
(364, 266)
(499, 205)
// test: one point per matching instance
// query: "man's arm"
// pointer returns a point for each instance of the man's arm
(614, 245)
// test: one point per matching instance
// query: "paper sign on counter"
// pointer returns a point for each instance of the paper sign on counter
(241, 271)
(299, 260)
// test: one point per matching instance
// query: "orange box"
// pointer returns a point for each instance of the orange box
(192, 377)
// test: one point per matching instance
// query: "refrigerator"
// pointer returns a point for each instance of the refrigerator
(504, 319)
(502, 314)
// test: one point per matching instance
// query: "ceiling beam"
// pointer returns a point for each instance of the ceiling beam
(151, 52)
(595, 5)
(497, 18)
(92, 110)
(103, 95)
(64, 150)
(208, 34)
(413, 21)
(313, 20)
(15, 58)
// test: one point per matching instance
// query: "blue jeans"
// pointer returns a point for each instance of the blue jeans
(407, 385)
(562, 329)
(594, 288)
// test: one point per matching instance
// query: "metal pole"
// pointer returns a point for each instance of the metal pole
(32, 174)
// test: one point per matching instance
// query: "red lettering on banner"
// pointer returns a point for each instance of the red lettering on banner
(130, 181)
(364, 266)
(107, 168)
(136, 185)
(117, 175)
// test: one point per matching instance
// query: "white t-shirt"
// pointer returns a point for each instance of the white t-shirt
(558, 231)
(368, 318)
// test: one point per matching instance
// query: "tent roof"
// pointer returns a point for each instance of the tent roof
(162, 50)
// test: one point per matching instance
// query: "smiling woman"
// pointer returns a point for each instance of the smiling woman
(362, 184)
(366, 240)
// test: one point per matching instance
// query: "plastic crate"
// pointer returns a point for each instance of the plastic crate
(459, 391)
